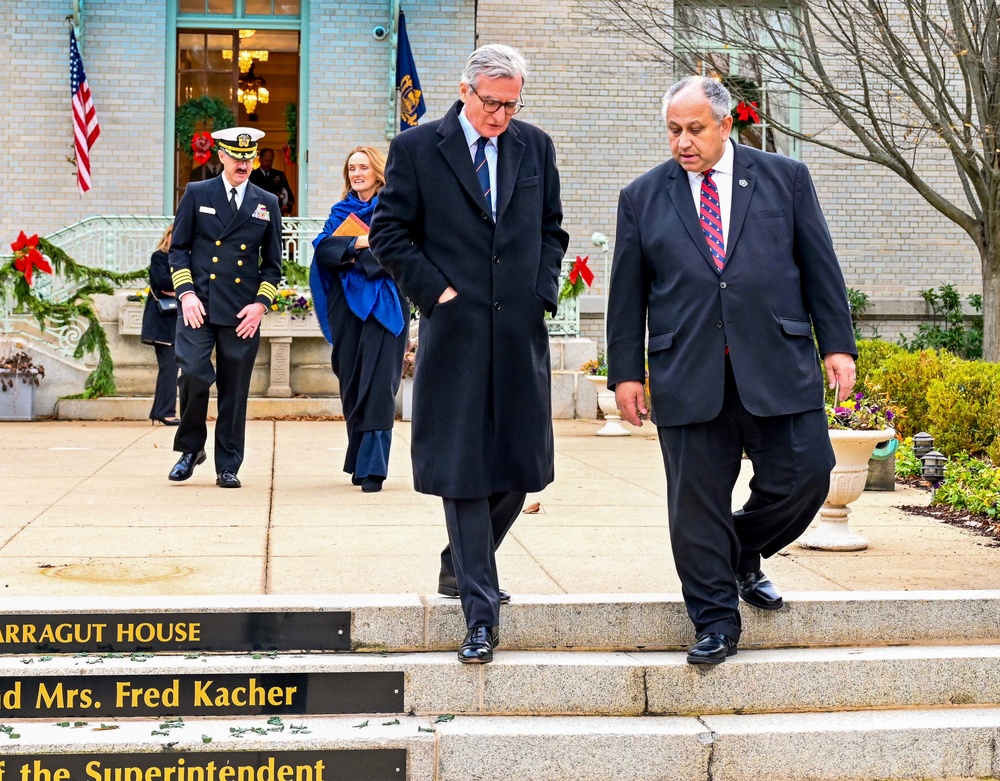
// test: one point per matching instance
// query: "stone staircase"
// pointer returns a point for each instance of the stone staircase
(885, 685)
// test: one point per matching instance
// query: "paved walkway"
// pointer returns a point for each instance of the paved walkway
(87, 510)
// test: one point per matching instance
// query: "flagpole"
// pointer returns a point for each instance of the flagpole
(390, 129)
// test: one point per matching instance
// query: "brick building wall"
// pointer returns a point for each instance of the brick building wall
(593, 93)
(122, 41)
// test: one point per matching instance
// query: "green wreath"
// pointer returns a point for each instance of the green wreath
(746, 93)
(205, 110)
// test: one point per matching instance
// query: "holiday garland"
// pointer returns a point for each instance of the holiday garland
(205, 110)
(34, 254)
(291, 149)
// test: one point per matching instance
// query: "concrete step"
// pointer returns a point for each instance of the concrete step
(891, 744)
(137, 408)
(408, 622)
(606, 683)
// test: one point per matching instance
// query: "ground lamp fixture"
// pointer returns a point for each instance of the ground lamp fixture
(933, 469)
(923, 443)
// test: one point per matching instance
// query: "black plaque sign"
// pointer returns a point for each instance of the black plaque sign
(203, 694)
(131, 632)
(333, 765)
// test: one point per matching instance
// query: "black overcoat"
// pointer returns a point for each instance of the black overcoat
(158, 327)
(367, 359)
(781, 280)
(482, 417)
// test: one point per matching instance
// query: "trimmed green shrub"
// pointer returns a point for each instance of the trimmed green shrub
(905, 377)
(963, 408)
(872, 353)
(907, 463)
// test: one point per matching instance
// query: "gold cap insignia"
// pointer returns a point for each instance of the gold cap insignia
(243, 139)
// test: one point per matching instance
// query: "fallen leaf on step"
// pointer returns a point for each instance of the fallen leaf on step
(531, 509)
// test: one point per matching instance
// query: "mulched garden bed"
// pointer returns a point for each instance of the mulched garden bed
(977, 524)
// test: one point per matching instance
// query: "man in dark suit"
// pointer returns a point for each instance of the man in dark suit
(225, 262)
(275, 182)
(469, 226)
(726, 250)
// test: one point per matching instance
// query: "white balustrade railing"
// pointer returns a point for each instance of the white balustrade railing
(124, 243)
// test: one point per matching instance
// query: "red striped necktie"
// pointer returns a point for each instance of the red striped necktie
(711, 219)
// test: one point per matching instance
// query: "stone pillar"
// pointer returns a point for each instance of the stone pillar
(281, 367)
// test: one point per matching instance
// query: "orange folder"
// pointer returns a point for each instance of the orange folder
(351, 226)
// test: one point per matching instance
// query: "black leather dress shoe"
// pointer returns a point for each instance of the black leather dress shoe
(479, 644)
(448, 587)
(713, 648)
(227, 480)
(185, 465)
(757, 590)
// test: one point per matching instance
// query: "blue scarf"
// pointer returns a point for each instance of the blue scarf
(366, 298)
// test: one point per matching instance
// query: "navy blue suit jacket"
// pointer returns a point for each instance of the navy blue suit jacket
(228, 261)
(780, 282)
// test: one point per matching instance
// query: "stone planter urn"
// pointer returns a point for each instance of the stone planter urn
(606, 401)
(17, 399)
(847, 480)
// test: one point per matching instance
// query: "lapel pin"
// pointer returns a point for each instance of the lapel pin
(744, 182)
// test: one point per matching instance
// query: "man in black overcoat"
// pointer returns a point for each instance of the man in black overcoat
(225, 262)
(723, 254)
(469, 226)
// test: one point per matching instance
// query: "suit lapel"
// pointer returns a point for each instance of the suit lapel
(680, 195)
(456, 152)
(742, 193)
(511, 150)
(220, 200)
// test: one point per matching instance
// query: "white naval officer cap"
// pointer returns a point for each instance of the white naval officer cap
(239, 142)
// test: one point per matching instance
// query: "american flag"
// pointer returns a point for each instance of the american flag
(85, 126)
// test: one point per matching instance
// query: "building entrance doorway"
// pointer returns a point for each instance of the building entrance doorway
(252, 77)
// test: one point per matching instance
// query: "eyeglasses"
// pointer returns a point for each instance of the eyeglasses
(492, 106)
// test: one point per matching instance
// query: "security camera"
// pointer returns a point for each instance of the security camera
(380, 33)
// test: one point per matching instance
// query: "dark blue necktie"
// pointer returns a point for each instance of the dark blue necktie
(483, 170)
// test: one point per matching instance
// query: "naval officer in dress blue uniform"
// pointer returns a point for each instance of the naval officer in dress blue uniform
(225, 262)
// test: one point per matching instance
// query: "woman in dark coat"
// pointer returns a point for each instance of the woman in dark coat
(158, 329)
(364, 318)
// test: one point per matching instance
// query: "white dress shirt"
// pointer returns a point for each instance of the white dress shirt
(241, 190)
(472, 139)
(723, 178)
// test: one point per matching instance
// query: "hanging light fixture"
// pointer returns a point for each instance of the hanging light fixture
(246, 57)
(252, 90)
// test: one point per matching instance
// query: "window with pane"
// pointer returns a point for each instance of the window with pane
(239, 8)
(755, 79)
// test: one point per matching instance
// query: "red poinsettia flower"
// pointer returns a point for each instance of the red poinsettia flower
(581, 270)
(201, 145)
(27, 257)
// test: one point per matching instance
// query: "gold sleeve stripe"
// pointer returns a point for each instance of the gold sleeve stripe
(181, 276)
(267, 290)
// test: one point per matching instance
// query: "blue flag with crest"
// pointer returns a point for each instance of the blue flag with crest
(411, 98)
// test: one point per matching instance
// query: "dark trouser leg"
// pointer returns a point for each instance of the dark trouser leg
(471, 524)
(234, 359)
(193, 348)
(792, 458)
(702, 463)
(504, 506)
(368, 453)
(165, 395)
